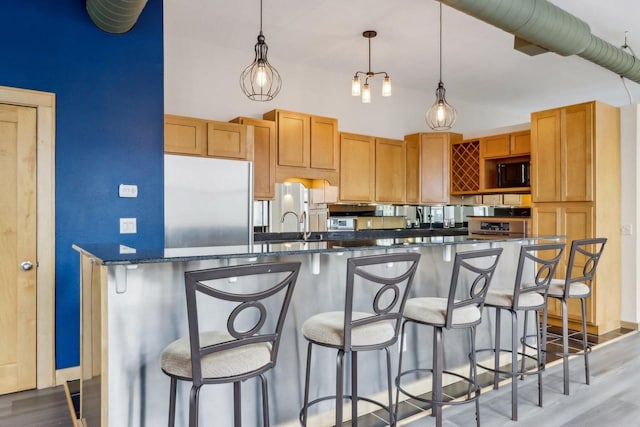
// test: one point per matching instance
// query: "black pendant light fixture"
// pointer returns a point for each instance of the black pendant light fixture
(441, 115)
(260, 81)
(356, 90)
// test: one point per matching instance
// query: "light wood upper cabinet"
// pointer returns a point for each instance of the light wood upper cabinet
(562, 167)
(264, 156)
(227, 140)
(506, 145)
(412, 167)
(389, 170)
(185, 135)
(520, 143)
(307, 145)
(357, 166)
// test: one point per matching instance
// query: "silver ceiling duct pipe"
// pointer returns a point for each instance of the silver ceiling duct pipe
(115, 16)
(547, 26)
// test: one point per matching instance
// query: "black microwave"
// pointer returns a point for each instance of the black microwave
(513, 174)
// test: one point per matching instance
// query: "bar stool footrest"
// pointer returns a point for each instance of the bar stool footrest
(517, 373)
(472, 394)
(346, 397)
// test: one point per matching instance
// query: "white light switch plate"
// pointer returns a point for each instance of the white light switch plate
(128, 226)
(626, 229)
(126, 190)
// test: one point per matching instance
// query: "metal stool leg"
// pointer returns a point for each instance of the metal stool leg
(172, 402)
(524, 345)
(265, 401)
(585, 340)
(305, 408)
(539, 357)
(436, 382)
(339, 386)
(392, 418)
(237, 405)
(395, 412)
(565, 346)
(514, 366)
(193, 405)
(475, 372)
(354, 389)
(496, 377)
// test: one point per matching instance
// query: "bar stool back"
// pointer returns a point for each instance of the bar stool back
(524, 296)
(351, 331)
(462, 309)
(229, 354)
(581, 269)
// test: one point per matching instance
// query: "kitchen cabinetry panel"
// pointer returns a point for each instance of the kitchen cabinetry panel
(412, 167)
(465, 167)
(567, 144)
(227, 140)
(496, 146)
(389, 170)
(185, 135)
(264, 156)
(520, 143)
(294, 135)
(357, 163)
(324, 143)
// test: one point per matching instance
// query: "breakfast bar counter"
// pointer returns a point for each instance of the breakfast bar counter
(133, 305)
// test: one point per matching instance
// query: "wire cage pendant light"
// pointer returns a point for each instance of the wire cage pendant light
(260, 81)
(441, 115)
(365, 90)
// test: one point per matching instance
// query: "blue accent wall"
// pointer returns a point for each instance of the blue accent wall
(109, 130)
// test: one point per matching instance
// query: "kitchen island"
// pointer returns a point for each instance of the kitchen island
(133, 305)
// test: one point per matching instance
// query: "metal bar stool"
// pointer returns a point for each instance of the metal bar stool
(237, 352)
(528, 297)
(384, 279)
(463, 311)
(584, 257)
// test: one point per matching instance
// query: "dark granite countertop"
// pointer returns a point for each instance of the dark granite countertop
(115, 254)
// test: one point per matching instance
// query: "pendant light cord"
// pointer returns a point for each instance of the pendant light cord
(440, 41)
(369, 71)
(260, 16)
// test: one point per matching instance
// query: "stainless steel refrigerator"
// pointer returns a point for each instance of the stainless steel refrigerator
(207, 202)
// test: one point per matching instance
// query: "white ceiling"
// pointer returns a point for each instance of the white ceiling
(480, 65)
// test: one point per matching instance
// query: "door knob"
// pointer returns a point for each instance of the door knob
(26, 265)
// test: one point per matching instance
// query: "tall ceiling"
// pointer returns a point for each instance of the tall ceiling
(480, 65)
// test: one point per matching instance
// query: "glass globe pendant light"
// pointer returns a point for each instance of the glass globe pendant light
(260, 81)
(441, 115)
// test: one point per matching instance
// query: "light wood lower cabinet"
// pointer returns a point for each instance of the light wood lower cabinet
(357, 168)
(389, 170)
(578, 221)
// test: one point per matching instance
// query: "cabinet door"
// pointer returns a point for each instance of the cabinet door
(412, 168)
(324, 143)
(227, 140)
(264, 157)
(545, 156)
(389, 170)
(357, 163)
(293, 139)
(577, 153)
(495, 146)
(184, 135)
(434, 166)
(520, 143)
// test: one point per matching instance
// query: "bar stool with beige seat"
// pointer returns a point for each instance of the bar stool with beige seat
(378, 284)
(528, 294)
(246, 346)
(577, 284)
(462, 309)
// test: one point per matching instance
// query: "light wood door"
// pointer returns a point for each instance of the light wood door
(546, 156)
(412, 167)
(185, 135)
(434, 166)
(293, 138)
(357, 168)
(389, 170)
(264, 156)
(227, 140)
(18, 244)
(324, 143)
(577, 153)
(496, 146)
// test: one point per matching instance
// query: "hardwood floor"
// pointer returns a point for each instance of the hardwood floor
(612, 399)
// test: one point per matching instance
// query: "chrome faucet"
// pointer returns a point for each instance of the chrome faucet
(302, 219)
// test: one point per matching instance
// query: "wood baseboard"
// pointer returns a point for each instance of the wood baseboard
(634, 326)
(67, 374)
